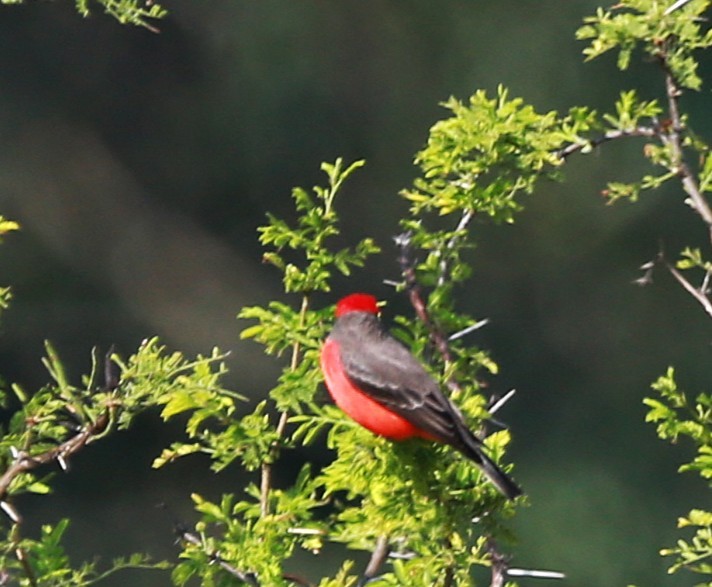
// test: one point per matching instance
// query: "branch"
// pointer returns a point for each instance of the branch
(266, 473)
(467, 216)
(698, 293)
(25, 462)
(672, 138)
(611, 135)
(405, 259)
(499, 564)
(378, 557)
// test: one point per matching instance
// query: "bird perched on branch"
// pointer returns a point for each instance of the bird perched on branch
(378, 382)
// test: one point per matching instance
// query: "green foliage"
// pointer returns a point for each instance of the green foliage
(246, 538)
(489, 152)
(316, 223)
(6, 226)
(49, 563)
(134, 12)
(60, 419)
(676, 416)
(421, 498)
(423, 501)
(643, 24)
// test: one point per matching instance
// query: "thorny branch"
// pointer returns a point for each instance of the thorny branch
(403, 241)
(25, 462)
(405, 259)
(266, 472)
(465, 219)
(673, 139)
(498, 562)
(701, 294)
(671, 136)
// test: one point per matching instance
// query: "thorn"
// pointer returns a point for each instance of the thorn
(406, 556)
(403, 239)
(673, 7)
(62, 462)
(535, 573)
(306, 531)
(10, 511)
(501, 401)
(647, 277)
(468, 329)
(643, 281)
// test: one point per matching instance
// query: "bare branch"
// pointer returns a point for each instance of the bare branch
(266, 470)
(673, 139)
(698, 294)
(611, 135)
(25, 462)
(405, 259)
(25, 563)
(378, 557)
(499, 564)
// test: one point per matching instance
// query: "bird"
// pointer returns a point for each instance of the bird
(379, 383)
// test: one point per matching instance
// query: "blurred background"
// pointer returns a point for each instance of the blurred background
(140, 165)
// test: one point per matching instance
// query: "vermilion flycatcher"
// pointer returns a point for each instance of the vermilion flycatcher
(378, 382)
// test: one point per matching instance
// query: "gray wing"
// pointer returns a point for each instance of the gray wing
(387, 371)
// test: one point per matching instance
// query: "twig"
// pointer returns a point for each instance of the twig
(467, 216)
(25, 462)
(21, 555)
(610, 135)
(673, 139)
(378, 557)
(499, 564)
(449, 577)
(405, 259)
(266, 470)
(698, 294)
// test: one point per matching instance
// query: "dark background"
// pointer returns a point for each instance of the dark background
(140, 165)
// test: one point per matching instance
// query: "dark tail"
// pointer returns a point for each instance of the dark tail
(472, 448)
(498, 478)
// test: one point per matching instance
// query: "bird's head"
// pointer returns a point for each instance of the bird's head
(357, 302)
